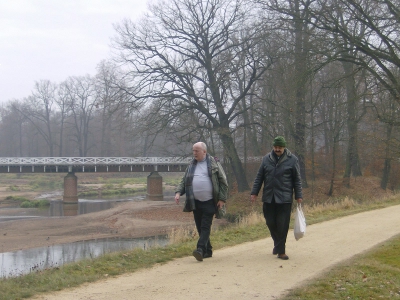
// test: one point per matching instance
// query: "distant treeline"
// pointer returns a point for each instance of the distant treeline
(234, 74)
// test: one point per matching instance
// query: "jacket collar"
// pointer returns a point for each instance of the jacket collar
(283, 157)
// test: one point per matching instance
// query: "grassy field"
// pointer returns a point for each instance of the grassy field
(373, 275)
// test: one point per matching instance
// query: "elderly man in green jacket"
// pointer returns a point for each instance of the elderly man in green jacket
(206, 188)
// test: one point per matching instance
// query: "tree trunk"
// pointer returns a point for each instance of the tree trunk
(387, 164)
(233, 158)
(252, 135)
(333, 174)
(20, 138)
(300, 92)
(60, 152)
(352, 157)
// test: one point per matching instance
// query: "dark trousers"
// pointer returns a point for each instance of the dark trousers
(277, 217)
(203, 217)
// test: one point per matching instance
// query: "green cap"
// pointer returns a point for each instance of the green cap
(279, 141)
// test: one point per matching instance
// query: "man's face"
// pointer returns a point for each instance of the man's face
(279, 150)
(198, 152)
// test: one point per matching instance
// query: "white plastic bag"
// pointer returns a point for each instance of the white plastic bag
(299, 223)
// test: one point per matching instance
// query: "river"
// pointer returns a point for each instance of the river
(31, 260)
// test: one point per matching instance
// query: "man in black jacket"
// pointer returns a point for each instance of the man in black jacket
(280, 174)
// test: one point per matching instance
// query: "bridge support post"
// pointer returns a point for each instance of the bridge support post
(70, 197)
(154, 187)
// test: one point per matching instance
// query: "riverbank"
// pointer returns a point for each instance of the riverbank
(126, 220)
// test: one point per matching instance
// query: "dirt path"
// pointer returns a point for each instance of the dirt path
(249, 270)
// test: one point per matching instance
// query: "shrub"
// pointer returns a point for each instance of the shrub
(27, 204)
(43, 203)
(88, 194)
(14, 188)
(108, 186)
(35, 203)
(17, 198)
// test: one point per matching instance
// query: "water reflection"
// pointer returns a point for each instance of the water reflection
(59, 208)
(11, 218)
(31, 260)
(84, 206)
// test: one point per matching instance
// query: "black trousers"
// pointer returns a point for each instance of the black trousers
(277, 217)
(203, 217)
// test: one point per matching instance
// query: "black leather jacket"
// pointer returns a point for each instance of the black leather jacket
(280, 178)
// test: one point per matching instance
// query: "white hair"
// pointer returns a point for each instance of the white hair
(202, 145)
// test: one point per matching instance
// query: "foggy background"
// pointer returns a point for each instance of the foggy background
(46, 39)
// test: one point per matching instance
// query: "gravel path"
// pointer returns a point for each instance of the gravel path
(249, 270)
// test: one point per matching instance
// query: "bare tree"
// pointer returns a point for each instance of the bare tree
(379, 44)
(12, 125)
(389, 116)
(183, 55)
(38, 109)
(339, 47)
(334, 120)
(291, 18)
(62, 113)
(82, 100)
(110, 103)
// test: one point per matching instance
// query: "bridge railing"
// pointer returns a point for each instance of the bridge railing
(103, 161)
(82, 161)
(98, 164)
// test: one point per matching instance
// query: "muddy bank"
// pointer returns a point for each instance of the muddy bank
(128, 219)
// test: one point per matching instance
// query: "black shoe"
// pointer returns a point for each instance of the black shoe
(198, 254)
(283, 256)
(207, 255)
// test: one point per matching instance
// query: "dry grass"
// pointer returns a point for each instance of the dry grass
(181, 234)
(184, 234)
(361, 189)
(252, 218)
(345, 203)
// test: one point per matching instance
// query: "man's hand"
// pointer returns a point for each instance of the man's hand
(220, 204)
(253, 198)
(177, 196)
(299, 200)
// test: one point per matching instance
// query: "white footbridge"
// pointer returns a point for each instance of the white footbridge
(92, 164)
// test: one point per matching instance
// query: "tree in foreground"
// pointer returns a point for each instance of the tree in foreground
(186, 56)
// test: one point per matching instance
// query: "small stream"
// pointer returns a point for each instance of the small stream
(23, 262)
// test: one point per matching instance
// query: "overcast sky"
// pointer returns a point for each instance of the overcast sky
(55, 39)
